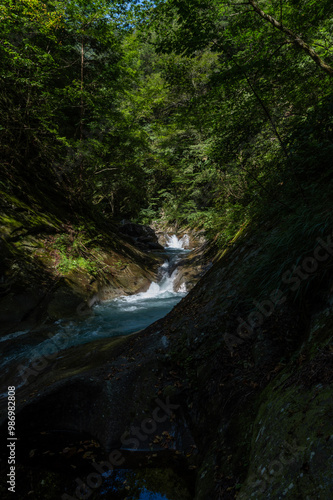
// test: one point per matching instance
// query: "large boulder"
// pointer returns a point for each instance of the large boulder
(141, 236)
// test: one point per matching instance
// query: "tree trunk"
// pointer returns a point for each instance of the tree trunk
(82, 76)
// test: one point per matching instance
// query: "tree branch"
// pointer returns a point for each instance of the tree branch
(296, 39)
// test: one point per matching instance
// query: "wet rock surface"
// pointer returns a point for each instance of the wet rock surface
(194, 266)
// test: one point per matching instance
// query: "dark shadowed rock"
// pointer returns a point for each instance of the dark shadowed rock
(142, 236)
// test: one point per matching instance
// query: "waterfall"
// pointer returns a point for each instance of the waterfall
(163, 289)
(174, 243)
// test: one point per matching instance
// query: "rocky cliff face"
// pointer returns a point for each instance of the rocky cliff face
(257, 372)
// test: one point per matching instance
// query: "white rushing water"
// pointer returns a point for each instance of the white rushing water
(175, 243)
(163, 289)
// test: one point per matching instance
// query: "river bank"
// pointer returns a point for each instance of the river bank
(73, 350)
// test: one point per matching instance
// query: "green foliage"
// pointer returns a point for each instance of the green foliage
(200, 113)
(75, 251)
(146, 215)
(245, 126)
(68, 264)
(66, 132)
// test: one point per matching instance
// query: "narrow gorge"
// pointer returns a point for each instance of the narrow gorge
(166, 251)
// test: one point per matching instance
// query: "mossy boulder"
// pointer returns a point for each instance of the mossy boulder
(292, 443)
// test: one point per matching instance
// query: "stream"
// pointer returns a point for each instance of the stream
(120, 316)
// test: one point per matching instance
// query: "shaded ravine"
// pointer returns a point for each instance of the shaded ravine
(85, 409)
(121, 316)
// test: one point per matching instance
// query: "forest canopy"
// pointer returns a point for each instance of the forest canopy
(206, 114)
